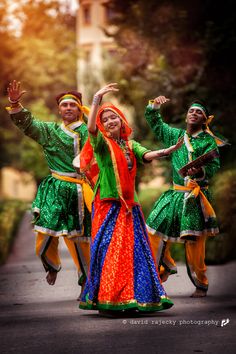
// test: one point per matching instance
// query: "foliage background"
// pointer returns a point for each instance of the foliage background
(38, 48)
(181, 49)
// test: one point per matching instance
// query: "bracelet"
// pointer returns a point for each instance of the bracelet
(16, 104)
(12, 107)
(161, 153)
(96, 100)
(12, 102)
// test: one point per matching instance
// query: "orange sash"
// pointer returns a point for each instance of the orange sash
(195, 190)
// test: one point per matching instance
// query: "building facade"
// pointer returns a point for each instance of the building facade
(93, 16)
(16, 184)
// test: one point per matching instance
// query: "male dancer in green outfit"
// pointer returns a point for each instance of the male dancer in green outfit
(184, 213)
(59, 207)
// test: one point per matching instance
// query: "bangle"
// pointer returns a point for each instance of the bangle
(161, 153)
(96, 100)
(12, 102)
(16, 104)
(13, 107)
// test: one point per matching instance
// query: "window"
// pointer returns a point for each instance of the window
(87, 55)
(87, 14)
(109, 13)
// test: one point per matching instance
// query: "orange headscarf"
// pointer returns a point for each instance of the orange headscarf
(125, 178)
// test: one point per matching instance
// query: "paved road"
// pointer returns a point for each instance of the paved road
(38, 318)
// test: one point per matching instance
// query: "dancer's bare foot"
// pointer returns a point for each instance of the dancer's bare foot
(199, 293)
(164, 276)
(51, 277)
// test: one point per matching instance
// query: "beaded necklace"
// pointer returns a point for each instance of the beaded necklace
(125, 149)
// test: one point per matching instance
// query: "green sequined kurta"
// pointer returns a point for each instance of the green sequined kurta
(58, 208)
(174, 215)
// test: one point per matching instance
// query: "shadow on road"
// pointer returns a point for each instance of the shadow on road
(38, 318)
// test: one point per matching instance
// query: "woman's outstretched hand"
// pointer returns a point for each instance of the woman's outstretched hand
(175, 147)
(92, 128)
(157, 154)
(14, 91)
(106, 89)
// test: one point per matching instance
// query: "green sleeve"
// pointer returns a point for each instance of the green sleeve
(83, 135)
(97, 142)
(138, 150)
(162, 131)
(211, 167)
(33, 128)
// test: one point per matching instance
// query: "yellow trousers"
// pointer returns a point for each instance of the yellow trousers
(195, 259)
(47, 249)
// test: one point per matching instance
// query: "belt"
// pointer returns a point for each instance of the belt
(68, 179)
(87, 190)
(195, 190)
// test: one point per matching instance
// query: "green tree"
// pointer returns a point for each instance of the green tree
(41, 53)
(47, 50)
(181, 49)
(8, 137)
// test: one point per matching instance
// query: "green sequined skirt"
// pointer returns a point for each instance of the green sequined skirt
(176, 218)
(59, 209)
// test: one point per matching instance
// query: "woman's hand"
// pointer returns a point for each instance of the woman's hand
(92, 128)
(14, 92)
(104, 90)
(175, 147)
(151, 155)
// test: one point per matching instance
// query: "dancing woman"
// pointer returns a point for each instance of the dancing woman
(123, 274)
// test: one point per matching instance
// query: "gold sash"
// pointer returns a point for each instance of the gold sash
(195, 190)
(87, 190)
